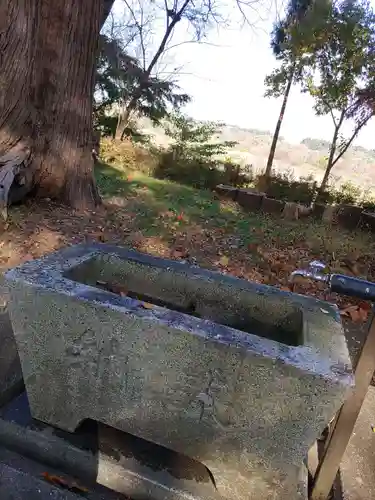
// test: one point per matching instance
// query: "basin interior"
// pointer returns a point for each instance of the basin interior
(211, 298)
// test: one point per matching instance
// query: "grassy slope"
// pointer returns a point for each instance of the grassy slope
(166, 210)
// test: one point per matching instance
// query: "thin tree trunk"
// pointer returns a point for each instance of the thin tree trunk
(329, 166)
(124, 116)
(276, 134)
(47, 64)
(330, 161)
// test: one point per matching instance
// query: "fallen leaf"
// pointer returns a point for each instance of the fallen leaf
(355, 313)
(364, 304)
(224, 261)
(348, 310)
(63, 483)
(355, 316)
(52, 478)
(363, 314)
(147, 305)
(285, 288)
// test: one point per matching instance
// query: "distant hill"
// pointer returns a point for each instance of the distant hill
(300, 160)
(322, 145)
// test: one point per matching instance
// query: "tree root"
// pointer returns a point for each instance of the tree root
(13, 171)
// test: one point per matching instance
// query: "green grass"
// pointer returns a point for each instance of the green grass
(158, 206)
(151, 198)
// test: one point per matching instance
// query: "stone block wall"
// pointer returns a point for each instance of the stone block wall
(350, 217)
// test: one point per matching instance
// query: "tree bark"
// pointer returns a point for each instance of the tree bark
(276, 134)
(47, 65)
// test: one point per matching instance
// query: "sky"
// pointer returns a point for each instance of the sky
(226, 82)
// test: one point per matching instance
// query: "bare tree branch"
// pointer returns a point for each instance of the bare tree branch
(166, 12)
(189, 42)
(253, 6)
(349, 142)
(140, 27)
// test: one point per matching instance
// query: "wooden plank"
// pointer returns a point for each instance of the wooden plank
(313, 459)
(346, 419)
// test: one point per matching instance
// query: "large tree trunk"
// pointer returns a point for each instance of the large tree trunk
(47, 62)
(276, 134)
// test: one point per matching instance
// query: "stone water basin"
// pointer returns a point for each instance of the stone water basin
(228, 372)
